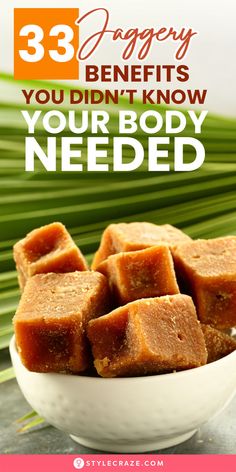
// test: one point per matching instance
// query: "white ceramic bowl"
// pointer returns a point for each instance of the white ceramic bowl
(129, 414)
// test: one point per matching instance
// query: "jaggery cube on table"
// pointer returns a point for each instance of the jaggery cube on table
(206, 269)
(47, 249)
(51, 320)
(148, 336)
(140, 274)
(123, 237)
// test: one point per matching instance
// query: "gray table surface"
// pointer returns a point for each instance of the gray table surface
(218, 436)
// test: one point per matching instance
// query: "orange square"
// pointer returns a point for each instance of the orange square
(46, 42)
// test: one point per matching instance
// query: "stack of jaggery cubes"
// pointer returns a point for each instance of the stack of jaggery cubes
(154, 302)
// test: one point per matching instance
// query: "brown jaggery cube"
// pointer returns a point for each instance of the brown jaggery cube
(148, 336)
(50, 322)
(123, 237)
(218, 344)
(47, 249)
(208, 268)
(140, 274)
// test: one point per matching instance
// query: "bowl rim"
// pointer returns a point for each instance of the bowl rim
(171, 375)
(212, 365)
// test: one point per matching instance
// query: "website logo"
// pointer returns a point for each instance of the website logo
(78, 463)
